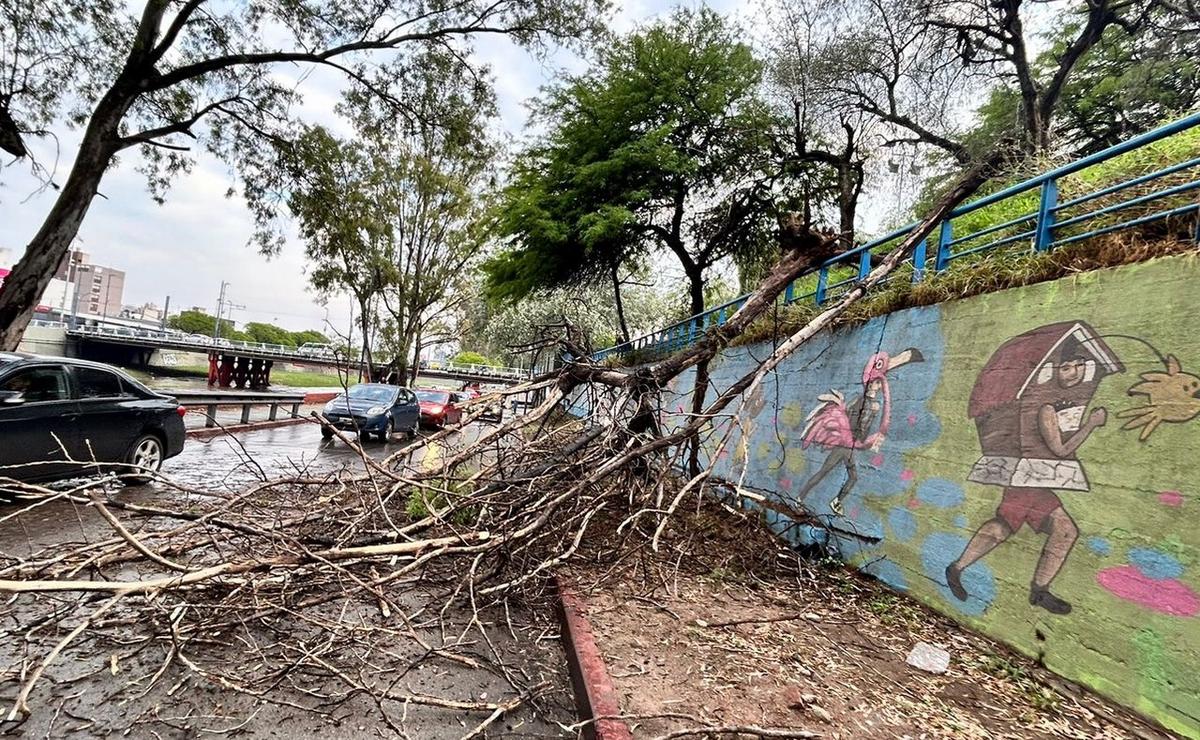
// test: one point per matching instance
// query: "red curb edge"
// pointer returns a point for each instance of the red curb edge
(320, 397)
(595, 695)
(206, 432)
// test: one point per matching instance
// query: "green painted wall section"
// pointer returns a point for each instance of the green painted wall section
(1058, 425)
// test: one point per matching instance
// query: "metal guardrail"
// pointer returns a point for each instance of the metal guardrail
(211, 400)
(1045, 227)
(201, 343)
(472, 369)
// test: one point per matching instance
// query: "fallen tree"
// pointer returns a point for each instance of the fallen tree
(312, 572)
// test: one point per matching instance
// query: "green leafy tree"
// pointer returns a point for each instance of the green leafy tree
(434, 169)
(663, 146)
(268, 334)
(308, 336)
(198, 322)
(467, 357)
(160, 76)
(1124, 85)
(339, 198)
(1127, 84)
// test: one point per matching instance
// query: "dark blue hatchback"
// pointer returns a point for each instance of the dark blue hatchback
(373, 408)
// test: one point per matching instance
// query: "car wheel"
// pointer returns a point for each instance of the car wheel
(146, 454)
(388, 430)
(327, 432)
(412, 433)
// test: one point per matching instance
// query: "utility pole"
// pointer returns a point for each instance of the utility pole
(220, 309)
(162, 320)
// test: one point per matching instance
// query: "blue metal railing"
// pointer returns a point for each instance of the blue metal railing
(1045, 227)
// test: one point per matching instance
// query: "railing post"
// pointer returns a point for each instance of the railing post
(1045, 219)
(691, 331)
(246, 413)
(944, 238)
(918, 260)
(211, 411)
(789, 293)
(864, 264)
(822, 278)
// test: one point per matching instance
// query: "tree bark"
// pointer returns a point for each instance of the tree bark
(695, 276)
(23, 288)
(368, 364)
(622, 326)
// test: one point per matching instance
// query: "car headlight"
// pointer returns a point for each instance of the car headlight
(376, 410)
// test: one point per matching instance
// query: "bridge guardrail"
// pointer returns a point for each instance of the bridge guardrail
(1052, 223)
(246, 400)
(206, 344)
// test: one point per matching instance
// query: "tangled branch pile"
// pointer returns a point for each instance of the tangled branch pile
(298, 594)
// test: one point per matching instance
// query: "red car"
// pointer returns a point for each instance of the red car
(438, 407)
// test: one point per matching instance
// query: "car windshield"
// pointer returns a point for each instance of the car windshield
(371, 393)
(434, 396)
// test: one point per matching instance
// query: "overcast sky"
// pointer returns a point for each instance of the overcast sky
(185, 248)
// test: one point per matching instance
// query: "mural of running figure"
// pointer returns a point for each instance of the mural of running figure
(842, 429)
(1029, 404)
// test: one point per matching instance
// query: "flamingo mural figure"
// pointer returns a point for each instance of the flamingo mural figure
(845, 428)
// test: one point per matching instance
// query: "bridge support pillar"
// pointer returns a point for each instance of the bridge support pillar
(259, 374)
(226, 370)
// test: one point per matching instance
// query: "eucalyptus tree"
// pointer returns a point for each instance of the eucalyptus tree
(163, 76)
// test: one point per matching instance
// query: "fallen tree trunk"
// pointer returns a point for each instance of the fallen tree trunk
(478, 523)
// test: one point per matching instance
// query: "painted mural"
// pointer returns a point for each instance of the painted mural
(1025, 461)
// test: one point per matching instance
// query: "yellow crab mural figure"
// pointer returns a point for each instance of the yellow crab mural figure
(1173, 397)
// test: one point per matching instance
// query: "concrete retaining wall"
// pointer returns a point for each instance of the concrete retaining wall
(44, 340)
(1027, 462)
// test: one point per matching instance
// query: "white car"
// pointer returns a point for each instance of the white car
(315, 349)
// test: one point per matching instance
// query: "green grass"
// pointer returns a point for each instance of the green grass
(424, 501)
(289, 378)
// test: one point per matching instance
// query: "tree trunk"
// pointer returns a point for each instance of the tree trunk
(695, 278)
(848, 188)
(623, 327)
(22, 290)
(699, 391)
(368, 364)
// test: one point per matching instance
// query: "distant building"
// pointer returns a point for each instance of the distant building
(144, 312)
(98, 290)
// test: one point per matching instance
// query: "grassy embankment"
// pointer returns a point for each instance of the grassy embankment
(1015, 265)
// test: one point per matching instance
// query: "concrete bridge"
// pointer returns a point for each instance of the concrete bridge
(231, 363)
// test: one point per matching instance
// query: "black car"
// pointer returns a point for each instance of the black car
(63, 418)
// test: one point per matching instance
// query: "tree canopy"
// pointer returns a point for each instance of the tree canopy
(664, 145)
(162, 76)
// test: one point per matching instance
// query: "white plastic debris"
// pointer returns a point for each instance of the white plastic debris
(929, 658)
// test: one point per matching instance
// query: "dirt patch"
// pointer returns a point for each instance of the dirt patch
(805, 645)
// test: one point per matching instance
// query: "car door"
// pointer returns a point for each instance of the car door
(37, 423)
(408, 410)
(109, 420)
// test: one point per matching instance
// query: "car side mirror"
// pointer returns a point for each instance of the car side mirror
(12, 398)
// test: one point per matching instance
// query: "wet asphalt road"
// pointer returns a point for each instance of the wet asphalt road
(220, 464)
(228, 463)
